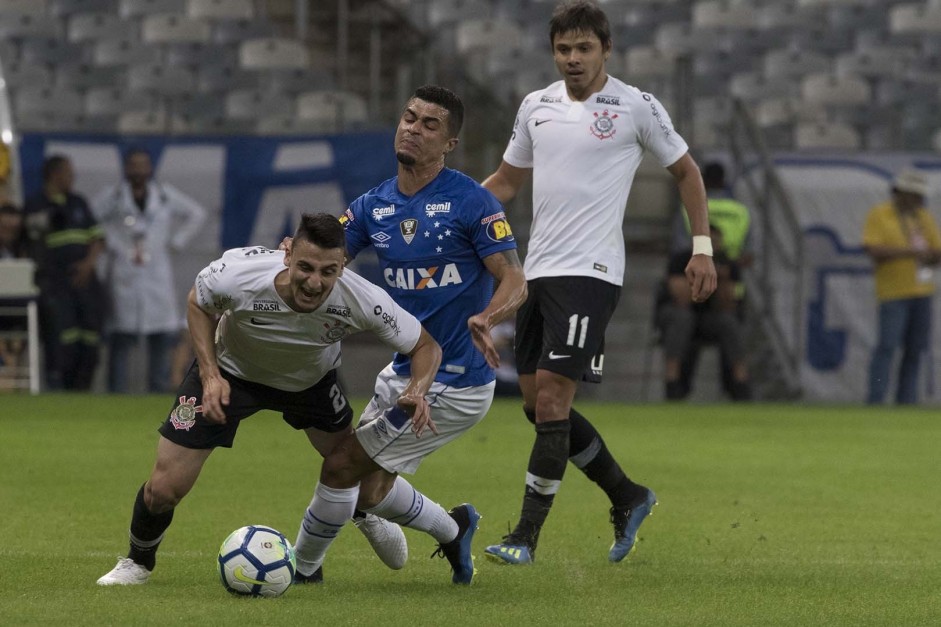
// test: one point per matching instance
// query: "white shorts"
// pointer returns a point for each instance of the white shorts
(395, 447)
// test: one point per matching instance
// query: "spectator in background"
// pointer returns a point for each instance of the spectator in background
(144, 221)
(683, 321)
(11, 232)
(902, 238)
(11, 247)
(65, 241)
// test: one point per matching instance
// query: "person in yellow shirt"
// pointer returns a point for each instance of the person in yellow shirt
(903, 240)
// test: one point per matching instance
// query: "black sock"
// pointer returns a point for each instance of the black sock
(146, 532)
(546, 468)
(588, 452)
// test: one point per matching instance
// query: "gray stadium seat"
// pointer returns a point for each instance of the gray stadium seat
(65, 8)
(236, 31)
(213, 77)
(195, 55)
(112, 101)
(647, 61)
(25, 74)
(270, 53)
(679, 38)
(84, 76)
(28, 25)
(221, 9)
(10, 9)
(723, 14)
(198, 105)
(826, 89)
(173, 28)
(755, 86)
(124, 51)
(915, 18)
(445, 12)
(140, 8)
(881, 62)
(495, 36)
(329, 106)
(50, 50)
(62, 101)
(250, 104)
(147, 122)
(91, 26)
(826, 136)
(161, 78)
(793, 63)
(292, 125)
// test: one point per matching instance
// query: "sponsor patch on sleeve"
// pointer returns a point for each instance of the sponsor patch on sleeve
(498, 229)
(346, 217)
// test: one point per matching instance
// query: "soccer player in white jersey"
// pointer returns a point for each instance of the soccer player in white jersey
(266, 328)
(582, 139)
(442, 240)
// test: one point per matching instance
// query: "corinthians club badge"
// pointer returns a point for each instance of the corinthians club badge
(408, 228)
(603, 126)
(183, 415)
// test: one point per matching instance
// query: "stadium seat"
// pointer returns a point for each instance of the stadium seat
(881, 62)
(147, 122)
(236, 31)
(50, 50)
(28, 25)
(112, 101)
(341, 109)
(84, 76)
(124, 51)
(490, 35)
(10, 9)
(777, 16)
(786, 111)
(90, 26)
(292, 125)
(221, 9)
(830, 89)
(65, 8)
(194, 105)
(790, 63)
(723, 14)
(754, 86)
(212, 77)
(195, 55)
(826, 136)
(161, 78)
(62, 101)
(141, 8)
(209, 125)
(679, 38)
(443, 12)
(250, 104)
(915, 18)
(646, 61)
(173, 28)
(270, 53)
(295, 81)
(25, 74)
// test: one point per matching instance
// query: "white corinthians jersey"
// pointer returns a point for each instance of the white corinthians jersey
(261, 339)
(584, 156)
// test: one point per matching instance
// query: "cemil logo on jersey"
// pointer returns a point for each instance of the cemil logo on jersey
(381, 212)
(498, 229)
(422, 278)
(434, 208)
(603, 126)
(408, 228)
(183, 416)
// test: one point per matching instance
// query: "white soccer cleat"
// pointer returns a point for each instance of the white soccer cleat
(387, 540)
(126, 573)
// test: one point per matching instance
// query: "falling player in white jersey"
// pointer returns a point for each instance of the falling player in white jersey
(266, 328)
(582, 139)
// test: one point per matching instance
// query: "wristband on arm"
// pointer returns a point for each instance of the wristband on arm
(702, 245)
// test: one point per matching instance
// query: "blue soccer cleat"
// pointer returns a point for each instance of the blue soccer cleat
(626, 522)
(458, 550)
(510, 551)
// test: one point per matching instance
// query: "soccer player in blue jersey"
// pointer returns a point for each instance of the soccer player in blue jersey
(442, 240)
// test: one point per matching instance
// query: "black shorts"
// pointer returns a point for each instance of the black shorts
(322, 406)
(560, 327)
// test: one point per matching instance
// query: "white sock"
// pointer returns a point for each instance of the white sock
(410, 508)
(328, 512)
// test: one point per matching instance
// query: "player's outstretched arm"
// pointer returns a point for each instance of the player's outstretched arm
(510, 294)
(202, 326)
(425, 358)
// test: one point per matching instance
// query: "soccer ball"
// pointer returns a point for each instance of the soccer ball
(256, 561)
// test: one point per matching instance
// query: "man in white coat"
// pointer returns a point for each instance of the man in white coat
(145, 221)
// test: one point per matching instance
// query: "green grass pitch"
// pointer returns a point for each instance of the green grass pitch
(768, 515)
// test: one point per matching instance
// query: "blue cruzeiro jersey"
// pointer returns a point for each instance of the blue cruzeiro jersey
(431, 248)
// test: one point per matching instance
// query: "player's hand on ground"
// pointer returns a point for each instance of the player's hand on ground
(701, 273)
(215, 398)
(420, 411)
(480, 334)
(285, 244)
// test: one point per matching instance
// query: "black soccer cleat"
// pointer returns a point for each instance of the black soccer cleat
(315, 577)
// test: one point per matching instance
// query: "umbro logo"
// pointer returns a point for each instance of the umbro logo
(260, 323)
(552, 355)
(538, 122)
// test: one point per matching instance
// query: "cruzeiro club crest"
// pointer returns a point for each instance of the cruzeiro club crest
(408, 228)
(183, 415)
(603, 126)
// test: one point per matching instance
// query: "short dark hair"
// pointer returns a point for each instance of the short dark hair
(446, 99)
(713, 175)
(52, 164)
(321, 229)
(580, 16)
(136, 150)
